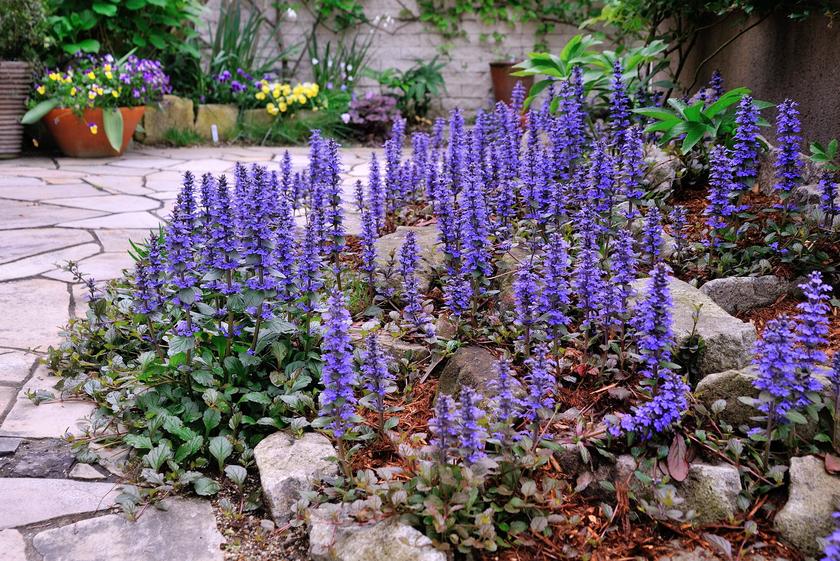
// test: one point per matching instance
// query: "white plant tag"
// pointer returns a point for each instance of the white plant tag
(214, 132)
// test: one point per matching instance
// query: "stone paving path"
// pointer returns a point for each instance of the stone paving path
(53, 210)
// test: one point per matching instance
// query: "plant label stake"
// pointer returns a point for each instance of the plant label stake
(214, 132)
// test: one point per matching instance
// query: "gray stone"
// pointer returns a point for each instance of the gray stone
(223, 116)
(29, 500)
(172, 113)
(116, 221)
(37, 264)
(334, 538)
(712, 492)
(728, 340)
(48, 458)
(446, 328)
(729, 385)
(813, 497)
(9, 446)
(51, 419)
(431, 256)
(119, 240)
(742, 294)
(696, 554)
(47, 192)
(109, 203)
(767, 174)
(663, 169)
(15, 244)
(104, 266)
(85, 472)
(12, 545)
(14, 215)
(7, 396)
(288, 466)
(185, 531)
(33, 311)
(15, 366)
(402, 350)
(473, 367)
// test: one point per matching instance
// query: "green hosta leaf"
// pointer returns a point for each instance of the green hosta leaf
(205, 486)
(86, 46)
(221, 449)
(112, 121)
(37, 113)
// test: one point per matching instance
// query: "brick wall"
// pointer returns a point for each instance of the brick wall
(398, 40)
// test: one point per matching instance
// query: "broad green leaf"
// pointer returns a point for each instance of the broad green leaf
(37, 113)
(205, 486)
(221, 449)
(723, 102)
(237, 474)
(112, 121)
(135, 4)
(105, 9)
(659, 113)
(211, 419)
(141, 442)
(189, 448)
(86, 46)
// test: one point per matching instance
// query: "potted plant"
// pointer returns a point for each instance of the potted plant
(93, 107)
(501, 74)
(22, 24)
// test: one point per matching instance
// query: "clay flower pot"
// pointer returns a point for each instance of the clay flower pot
(73, 133)
(503, 81)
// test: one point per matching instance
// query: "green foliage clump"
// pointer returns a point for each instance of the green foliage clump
(415, 87)
(22, 25)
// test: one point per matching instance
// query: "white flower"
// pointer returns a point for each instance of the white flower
(345, 118)
(291, 15)
(349, 68)
(314, 62)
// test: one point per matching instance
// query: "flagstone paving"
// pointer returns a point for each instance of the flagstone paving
(53, 210)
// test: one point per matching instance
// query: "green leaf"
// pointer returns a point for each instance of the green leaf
(104, 9)
(205, 486)
(37, 113)
(221, 449)
(135, 4)
(796, 417)
(237, 474)
(112, 121)
(178, 344)
(212, 418)
(189, 448)
(141, 442)
(257, 397)
(86, 46)
(158, 455)
(694, 134)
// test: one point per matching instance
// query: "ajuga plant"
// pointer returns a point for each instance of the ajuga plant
(238, 322)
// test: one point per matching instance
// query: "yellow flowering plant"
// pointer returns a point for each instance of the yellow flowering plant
(99, 83)
(280, 98)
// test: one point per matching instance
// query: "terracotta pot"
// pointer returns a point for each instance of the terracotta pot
(73, 135)
(503, 82)
(15, 84)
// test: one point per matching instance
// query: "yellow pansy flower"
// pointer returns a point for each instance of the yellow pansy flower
(107, 68)
(108, 74)
(260, 96)
(272, 109)
(115, 93)
(73, 90)
(283, 107)
(91, 94)
(41, 90)
(93, 128)
(91, 75)
(301, 98)
(265, 89)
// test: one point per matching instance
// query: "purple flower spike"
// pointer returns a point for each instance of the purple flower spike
(338, 400)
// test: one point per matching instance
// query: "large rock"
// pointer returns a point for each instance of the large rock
(712, 492)
(173, 113)
(334, 538)
(663, 169)
(473, 367)
(729, 385)
(742, 294)
(28, 500)
(12, 545)
(728, 340)
(288, 465)
(185, 531)
(766, 179)
(813, 497)
(431, 256)
(223, 116)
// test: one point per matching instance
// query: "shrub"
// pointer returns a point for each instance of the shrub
(22, 26)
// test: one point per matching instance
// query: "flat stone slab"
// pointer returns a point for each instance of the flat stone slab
(12, 545)
(28, 500)
(186, 531)
(33, 311)
(85, 472)
(15, 244)
(9, 446)
(109, 203)
(7, 396)
(104, 266)
(33, 266)
(46, 192)
(115, 221)
(118, 240)
(50, 419)
(14, 215)
(15, 366)
(47, 458)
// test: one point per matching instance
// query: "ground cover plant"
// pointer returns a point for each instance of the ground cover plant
(555, 253)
